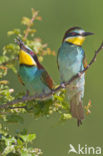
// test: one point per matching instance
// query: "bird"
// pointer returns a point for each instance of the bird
(71, 60)
(31, 73)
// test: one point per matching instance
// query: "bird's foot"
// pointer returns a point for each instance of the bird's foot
(26, 95)
(79, 74)
(63, 85)
(53, 91)
(79, 122)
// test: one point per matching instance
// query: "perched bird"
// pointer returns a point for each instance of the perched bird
(31, 73)
(71, 60)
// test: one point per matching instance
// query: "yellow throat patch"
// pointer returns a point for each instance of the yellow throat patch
(25, 58)
(76, 40)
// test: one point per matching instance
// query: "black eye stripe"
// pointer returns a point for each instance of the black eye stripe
(25, 49)
(28, 51)
(72, 34)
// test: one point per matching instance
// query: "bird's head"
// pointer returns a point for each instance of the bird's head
(26, 55)
(76, 36)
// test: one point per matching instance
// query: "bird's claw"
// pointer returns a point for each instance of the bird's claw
(26, 95)
(53, 91)
(79, 74)
(63, 85)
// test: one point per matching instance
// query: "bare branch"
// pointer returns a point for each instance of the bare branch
(19, 107)
(64, 85)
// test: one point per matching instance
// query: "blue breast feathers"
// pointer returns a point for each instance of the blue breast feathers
(32, 79)
(70, 60)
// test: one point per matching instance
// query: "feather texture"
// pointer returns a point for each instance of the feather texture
(70, 62)
(31, 73)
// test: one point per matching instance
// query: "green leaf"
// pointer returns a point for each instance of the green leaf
(26, 21)
(15, 31)
(66, 116)
(28, 138)
(25, 153)
(13, 154)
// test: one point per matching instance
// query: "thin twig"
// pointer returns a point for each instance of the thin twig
(29, 26)
(19, 107)
(65, 84)
(25, 37)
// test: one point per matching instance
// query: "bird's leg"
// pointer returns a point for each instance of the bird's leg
(52, 91)
(79, 74)
(26, 95)
(63, 84)
(79, 122)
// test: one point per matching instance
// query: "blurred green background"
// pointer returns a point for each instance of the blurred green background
(54, 137)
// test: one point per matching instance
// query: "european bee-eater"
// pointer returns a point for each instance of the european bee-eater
(31, 73)
(71, 60)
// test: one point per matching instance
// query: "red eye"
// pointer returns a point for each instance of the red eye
(31, 53)
(73, 33)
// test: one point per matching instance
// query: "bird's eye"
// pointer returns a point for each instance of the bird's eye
(73, 33)
(31, 53)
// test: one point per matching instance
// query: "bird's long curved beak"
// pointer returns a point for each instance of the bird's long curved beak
(19, 42)
(87, 33)
(22, 45)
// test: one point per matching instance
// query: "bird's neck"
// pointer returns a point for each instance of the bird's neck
(39, 65)
(26, 59)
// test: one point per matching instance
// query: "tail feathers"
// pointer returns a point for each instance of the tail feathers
(77, 109)
(79, 122)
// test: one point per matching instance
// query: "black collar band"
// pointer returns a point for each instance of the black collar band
(27, 65)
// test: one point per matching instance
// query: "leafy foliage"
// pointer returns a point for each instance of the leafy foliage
(18, 144)
(9, 60)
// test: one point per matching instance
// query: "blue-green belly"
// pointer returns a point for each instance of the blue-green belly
(32, 78)
(70, 62)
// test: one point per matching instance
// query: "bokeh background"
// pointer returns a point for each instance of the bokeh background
(54, 137)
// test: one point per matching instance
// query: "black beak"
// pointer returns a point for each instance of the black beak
(87, 34)
(22, 45)
(19, 42)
